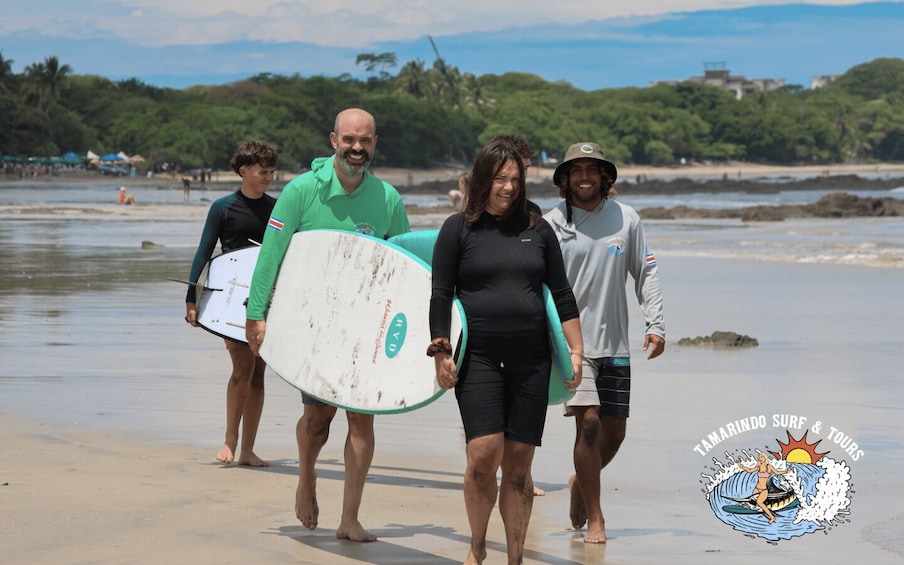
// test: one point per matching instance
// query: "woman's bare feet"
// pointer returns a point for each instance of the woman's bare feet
(472, 559)
(539, 492)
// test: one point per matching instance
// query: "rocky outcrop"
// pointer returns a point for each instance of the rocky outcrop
(834, 205)
(720, 339)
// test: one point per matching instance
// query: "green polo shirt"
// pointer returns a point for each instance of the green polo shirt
(316, 200)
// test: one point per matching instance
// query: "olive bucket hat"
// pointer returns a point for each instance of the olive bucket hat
(584, 150)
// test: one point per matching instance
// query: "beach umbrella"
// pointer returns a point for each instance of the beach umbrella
(71, 157)
(111, 157)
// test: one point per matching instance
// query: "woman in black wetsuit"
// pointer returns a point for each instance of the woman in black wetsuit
(495, 256)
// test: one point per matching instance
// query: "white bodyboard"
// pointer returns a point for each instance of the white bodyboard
(222, 297)
(348, 323)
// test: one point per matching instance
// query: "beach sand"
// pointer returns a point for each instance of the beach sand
(111, 413)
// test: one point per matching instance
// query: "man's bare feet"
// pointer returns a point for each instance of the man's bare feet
(306, 509)
(226, 454)
(596, 533)
(577, 512)
(472, 559)
(354, 531)
(252, 460)
(539, 492)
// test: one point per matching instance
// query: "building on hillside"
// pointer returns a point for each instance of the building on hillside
(819, 81)
(718, 75)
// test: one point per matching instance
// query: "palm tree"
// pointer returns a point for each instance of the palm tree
(6, 74)
(412, 79)
(44, 82)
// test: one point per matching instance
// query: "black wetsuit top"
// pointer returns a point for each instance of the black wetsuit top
(233, 220)
(497, 271)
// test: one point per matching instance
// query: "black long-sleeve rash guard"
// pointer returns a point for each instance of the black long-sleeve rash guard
(497, 272)
(233, 220)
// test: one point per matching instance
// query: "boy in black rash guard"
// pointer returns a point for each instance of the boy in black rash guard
(238, 220)
(495, 256)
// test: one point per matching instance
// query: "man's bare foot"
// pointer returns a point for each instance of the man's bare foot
(226, 454)
(354, 531)
(596, 533)
(252, 460)
(306, 509)
(472, 559)
(577, 512)
(539, 492)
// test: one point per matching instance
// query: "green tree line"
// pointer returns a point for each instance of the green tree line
(429, 115)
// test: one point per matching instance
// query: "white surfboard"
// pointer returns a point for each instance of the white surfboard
(421, 244)
(349, 323)
(224, 292)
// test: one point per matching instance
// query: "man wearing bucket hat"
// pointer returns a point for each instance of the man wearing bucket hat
(602, 242)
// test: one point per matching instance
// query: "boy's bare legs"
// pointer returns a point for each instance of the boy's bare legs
(244, 401)
(251, 416)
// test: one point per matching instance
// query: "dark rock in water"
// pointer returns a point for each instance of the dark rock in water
(721, 339)
(146, 244)
(832, 205)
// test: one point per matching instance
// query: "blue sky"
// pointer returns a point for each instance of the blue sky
(588, 43)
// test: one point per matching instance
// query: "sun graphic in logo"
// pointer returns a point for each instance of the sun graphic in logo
(798, 450)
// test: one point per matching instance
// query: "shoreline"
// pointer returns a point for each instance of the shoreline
(414, 179)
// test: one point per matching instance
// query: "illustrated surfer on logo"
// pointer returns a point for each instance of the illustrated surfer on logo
(764, 471)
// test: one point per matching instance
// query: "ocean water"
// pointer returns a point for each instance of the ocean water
(871, 242)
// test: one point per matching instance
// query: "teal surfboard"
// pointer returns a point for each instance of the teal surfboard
(421, 243)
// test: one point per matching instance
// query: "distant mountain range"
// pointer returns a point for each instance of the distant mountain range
(793, 42)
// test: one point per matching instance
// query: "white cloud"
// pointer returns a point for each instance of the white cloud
(337, 23)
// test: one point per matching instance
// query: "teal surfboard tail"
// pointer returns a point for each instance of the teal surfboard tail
(421, 244)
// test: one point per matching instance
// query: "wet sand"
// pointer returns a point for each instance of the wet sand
(111, 412)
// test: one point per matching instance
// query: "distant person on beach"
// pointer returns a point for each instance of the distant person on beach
(236, 221)
(186, 188)
(457, 195)
(337, 193)
(495, 256)
(602, 242)
(125, 198)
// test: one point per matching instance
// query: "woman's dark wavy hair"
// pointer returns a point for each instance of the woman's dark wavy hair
(253, 153)
(487, 164)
